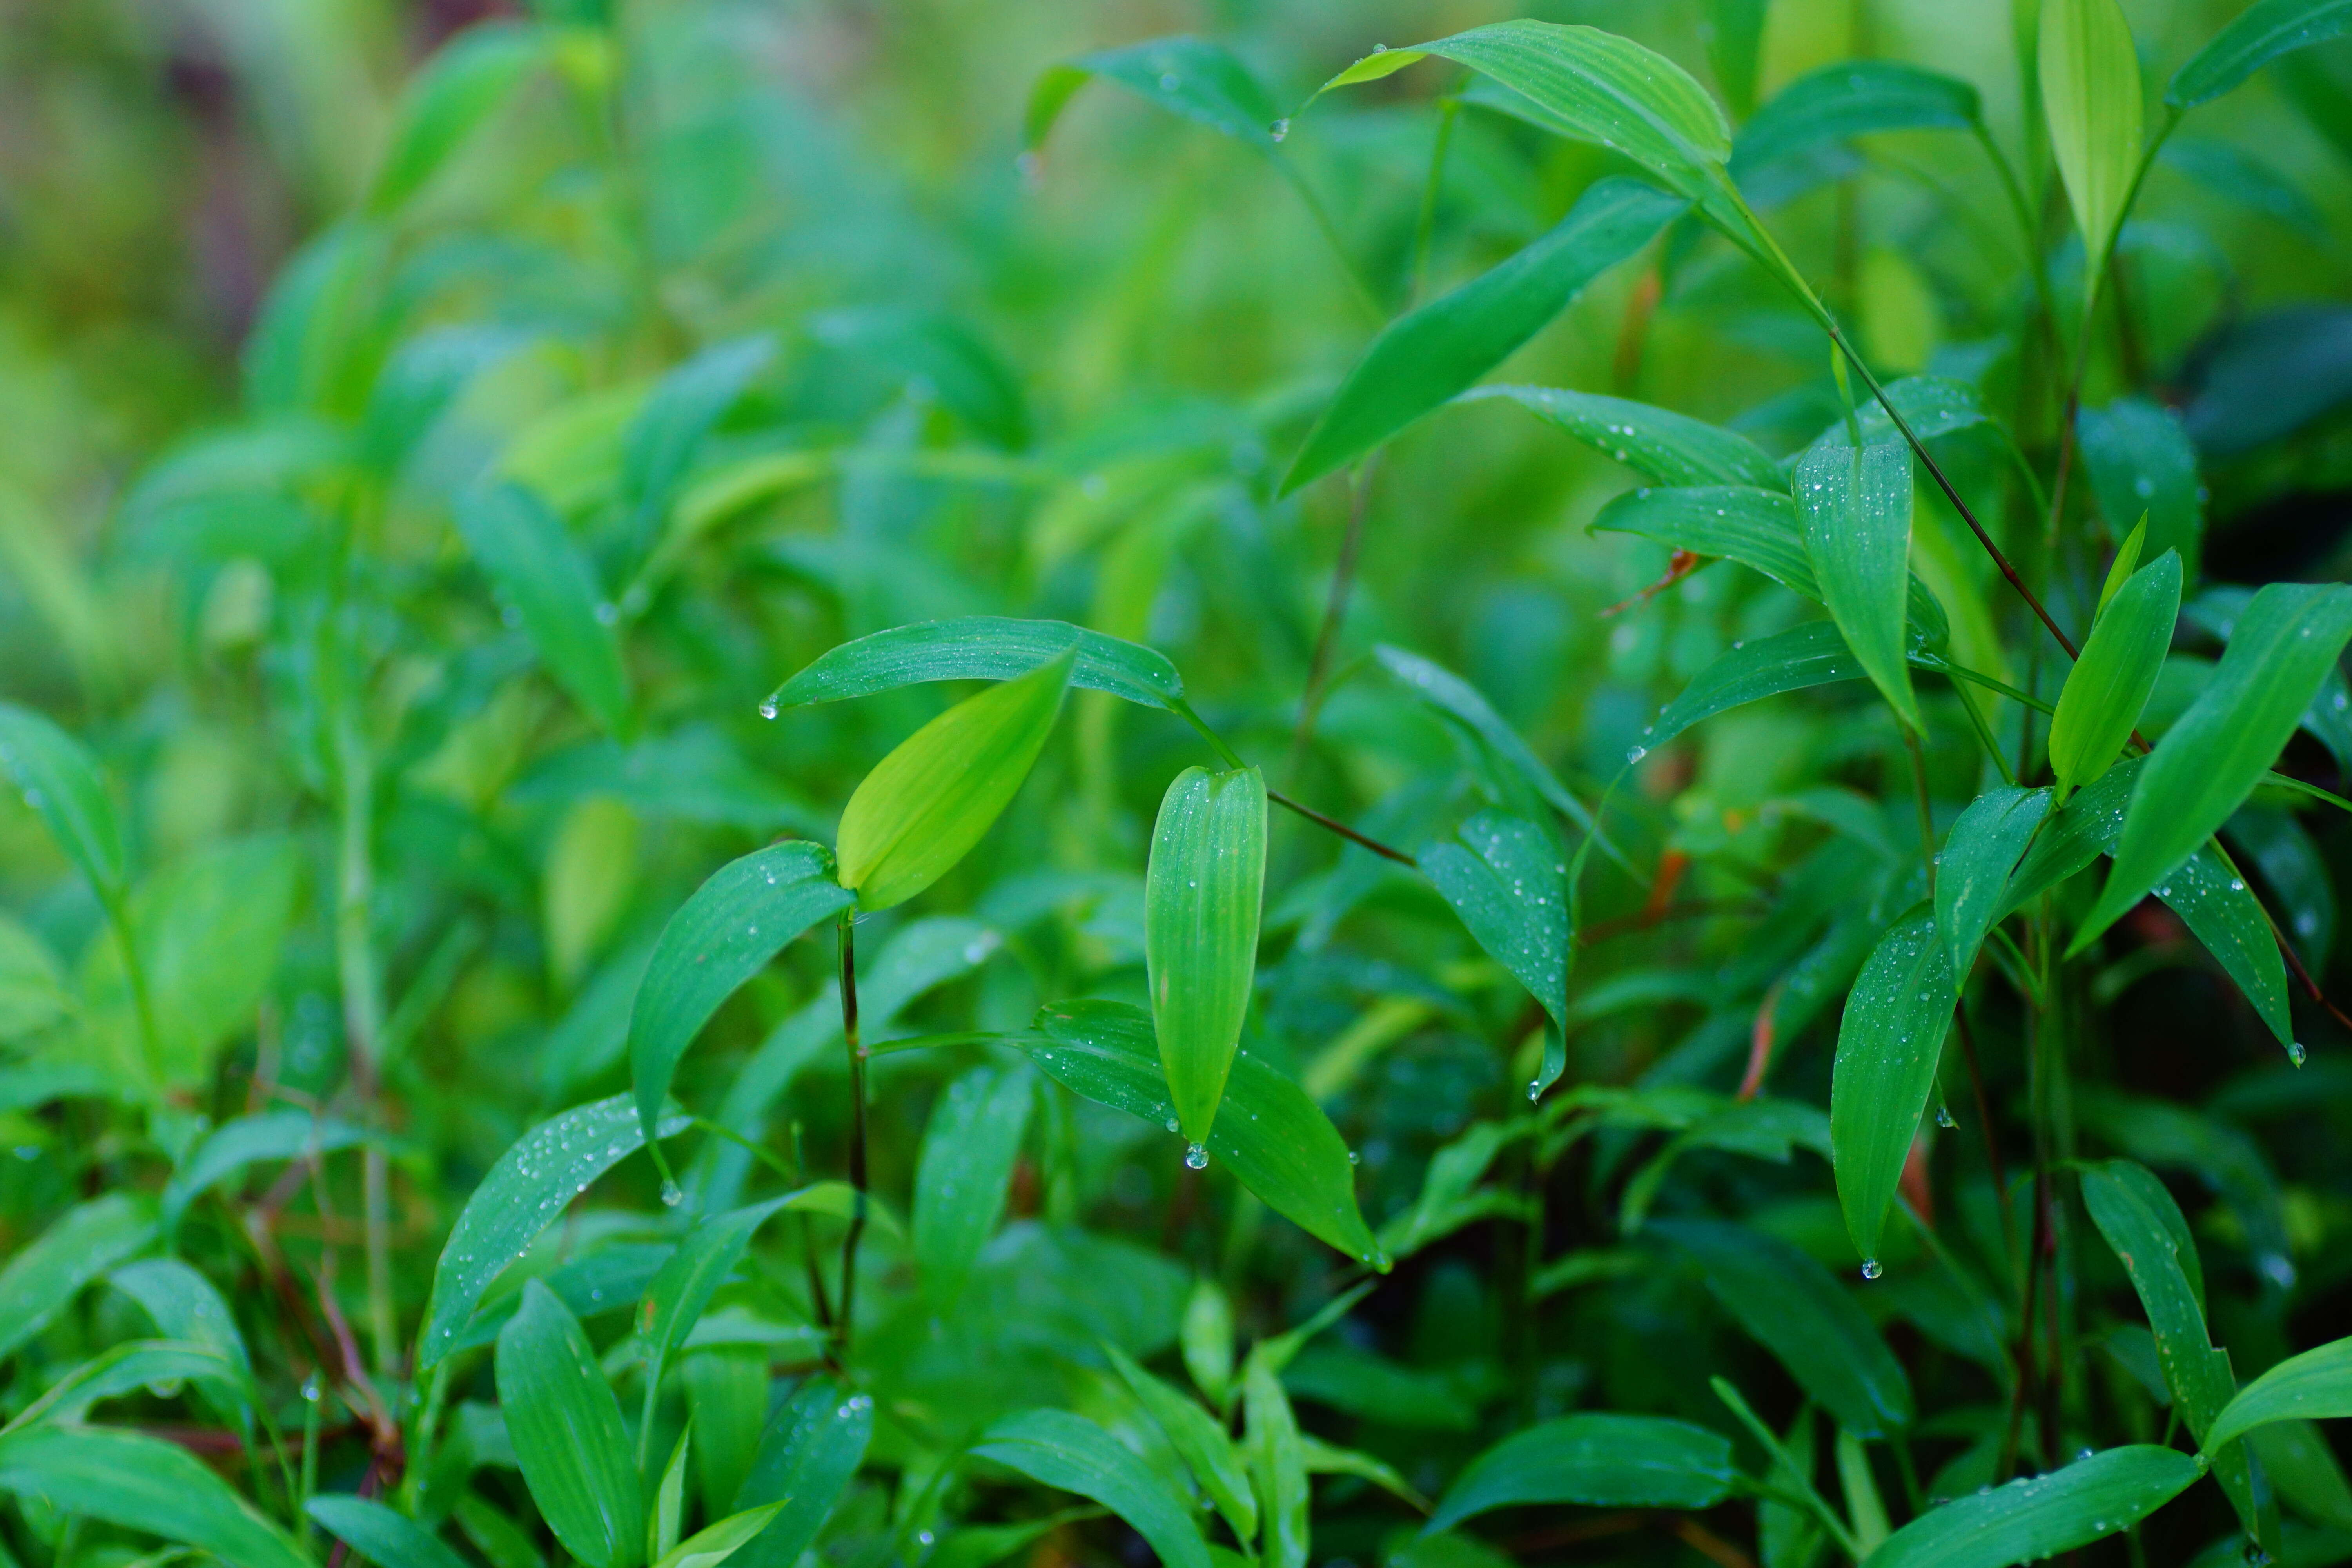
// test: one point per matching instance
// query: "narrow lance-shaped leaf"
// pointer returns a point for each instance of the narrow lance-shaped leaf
(1602, 1460)
(2109, 684)
(1422, 359)
(383, 1536)
(981, 648)
(1278, 1462)
(1059, 1449)
(2030, 1520)
(962, 1174)
(661, 442)
(675, 1301)
(1193, 77)
(807, 1456)
(568, 1434)
(2314, 1386)
(458, 89)
(80, 1245)
(2091, 101)
(553, 591)
(926, 805)
(1850, 98)
(132, 1366)
(1889, 1042)
(1972, 873)
(1814, 654)
(727, 931)
(285, 1133)
(2126, 562)
(1202, 891)
(143, 1483)
(62, 781)
(2257, 35)
(2209, 761)
(2142, 465)
(1662, 446)
(715, 1543)
(1457, 698)
(1855, 506)
(1197, 1436)
(1510, 887)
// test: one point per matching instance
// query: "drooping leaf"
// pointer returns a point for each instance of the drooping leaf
(1422, 359)
(382, 1535)
(1662, 446)
(1973, 872)
(2314, 1386)
(1855, 507)
(285, 1133)
(1889, 1042)
(1457, 698)
(458, 89)
(143, 1483)
(1792, 1306)
(2108, 686)
(60, 780)
(2224, 914)
(551, 588)
(1277, 1461)
(1603, 1460)
(1275, 1139)
(961, 1177)
(2027, 1521)
(131, 1367)
(2140, 463)
(1849, 98)
(1195, 1435)
(807, 1456)
(2254, 38)
(568, 1434)
(1510, 886)
(1813, 654)
(2208, 763)
(739, 920)
(1193, 77)
(80, 1245)
(1202, 892)
(531, 1183)
(926, 804)
(1071, 1452)
(2090, 102)
(982, 648)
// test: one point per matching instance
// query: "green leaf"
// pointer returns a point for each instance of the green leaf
(2027, 1521)
(2142, 465)
(1200, 80)
(675, 1301)
(143, 1483)
(714, 1545)
(1794, 1307)
(962, 1172)
(2313, 1386)
(542, 577)
(1207, 1338)
(2220, 911)
(1855, 507)
(457, 90)
(1424, 358)
(1603, 1460)
(668, 1507)
(2258, 35)
(2125, 562)
(1202, 891)
(1972, 873)
(568, 1434)
(1662, 446)
(2209, 761)
(182, 1305)
(1849, 98)
(727, 931)
(661, 443)
(61, 781)
(131, 1367)
(2291, 866)
(286, 1133)
(1813, 654)
(1458, 699)
(1329, 1460)
(2108, 686)
(982, 648)
(1597, 86)
(1510, 887)
(727, 1401)
(1277, 1461)
(926, 805)
(1889, 1042)
(1056, 1448)
(1275, 1139)
(80, 1245)
(33, 994)
(807, 1456)
(383, 1537)
(2090, 102)
(1198, 1438)
(532, 1183)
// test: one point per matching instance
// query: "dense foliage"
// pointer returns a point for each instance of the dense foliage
(894, 786)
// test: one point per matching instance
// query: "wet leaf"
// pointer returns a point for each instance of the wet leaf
(568, 1434)
(1855, 509)
(1603, 1460)
(1202, 892)
(1972, 874)
(1662, 446)
(1889, 1042)
(1510, 886)
(807, 1456)
(2101, 702)
(2027, 1520)
(982, 648)
(1071, 1452)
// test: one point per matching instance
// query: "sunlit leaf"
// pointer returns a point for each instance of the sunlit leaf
(1889, 1042)
(1604, 1460)
(568, 1434)
(1202, 892)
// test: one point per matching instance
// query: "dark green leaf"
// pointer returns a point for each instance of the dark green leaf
(982, 648)
(1059, 1449)
(1850, 98)
(1811, 655)
(2139, 460)
(568, 1434)
(282, 1134)
(1855, 507)
(144, 1484)
(811, 1448)
(1607, 1462)
(675, 1301)
(62, 783)
(1510, 887)
(1422, 360)
(1663, 446)
(1196, 1436)
(961, 1178)
(1452, 695)
(2027, 1521)
(1889, 1042)
(553, 590)
(2290, 862)
(2108, 686)
(80, 1245)
(1972, 874)
(2258, 35)
(2314, 1386)
(377, 1533)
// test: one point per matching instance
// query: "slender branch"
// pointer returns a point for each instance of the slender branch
(1919, 799)
(1335, 606)
(1330, 233)
(1993, 1165)
(1331, 825)
(856, 1122)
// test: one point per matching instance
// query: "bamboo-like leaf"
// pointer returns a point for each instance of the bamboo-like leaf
(1202, 891)
(1662, 446)
(961, 1173)
(1813, 654)
(2142, 464)
(552, 589)
(183, 1305)
(1850, 98)
(714, 1545)
(1271, 1135)
(2314, 1386)
(285, 1133)
(1195, 1435)
(2126, 562)
(458, 89)
(131, 1367)
(1972, 874)
(1207, 1337)
(2208, 763)
(675, 1299)
(1457, 699)
(1596, 85)
(2090, 102)
(981, 648)
(1510, 887)
(1889, 1042)
(668, 1507)
(1791, 1305)
(2108, 686)
(532, 1183)
(1069, 1452)
(1855, 507)
(807, 1456)
(2257, 35)
(1278, 1462)
(1422, 359)
(1193, 77)
(143, 1483)
(80, 1245)
(727, 931)
(383, 1536)
(62, 781)
(2027, 1521)
(660, 442)
(1603, 1460)
(568, 1434)
(926, 805)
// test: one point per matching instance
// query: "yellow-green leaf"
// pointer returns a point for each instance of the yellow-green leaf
(1202, 894)
(2091, 101)
(2109, 684)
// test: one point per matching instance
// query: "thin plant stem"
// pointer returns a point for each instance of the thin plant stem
(1993, 1166)
(848, 929)
(1335, 606)
(1808, 1498)
(1920, 801)
(1331, 825)
(1425, 228)
(362, 989)
(1330, 233)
